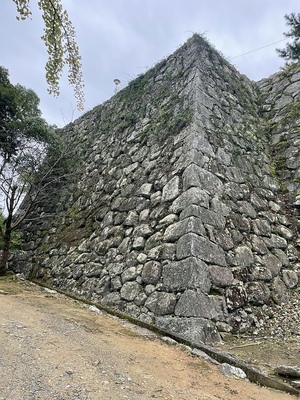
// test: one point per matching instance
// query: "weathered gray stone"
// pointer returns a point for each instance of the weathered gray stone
(143, 230)
(115, 269)
(138, 243)
(224, 241)
(233, 191)
(283, 219)
(93, 269)
(191, 196)
(144, 215)
(241, 274)
(111, 299)
(145, 190)
(168, 251)
(234, 174)
(258, 293)
(191, 224)
(171, 189)
(232, 372)
(281, 255)
(241, 223)
(153, 241)
(130, 290)
(77, 271)
(197, 330)
(223, 156)
(244, 256)
(206, 216)
(274, 206)
(149, 289)
(132, 219)
(161, 303)
(155, 253)
(285, 232)
(261, 274)
(100, 246)
(85, 258)
(84, 246)
(247, 209)
(258, 203)
(197, 140)
(288, 370)
(151, 272)
(272, 263)
(220, 276)
(125, 245)
(290, 278)
(140, 299)
(270, 183)
(156, 198)
(258, 245)
(219, 207)
(188, 273)
(195, 176)
(168, 220)
(102, 285)
(129, 274)
(279, 291)
(108, 219)
(223, 327)
(237, 236)
(192, 245)
(116, 283)
(127, 204)
(194, 303)
(236, 297)
(275, 242)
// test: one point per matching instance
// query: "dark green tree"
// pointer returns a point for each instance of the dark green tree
(60, 40)
(20, 117)
(292, 50)
(30, 152)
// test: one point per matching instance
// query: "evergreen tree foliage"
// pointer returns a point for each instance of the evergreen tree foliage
(292, 50)
(20, 117)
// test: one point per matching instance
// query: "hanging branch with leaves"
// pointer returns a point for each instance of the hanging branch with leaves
(60, 40)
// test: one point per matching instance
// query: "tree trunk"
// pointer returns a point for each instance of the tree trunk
(7, 233)
(5, 251)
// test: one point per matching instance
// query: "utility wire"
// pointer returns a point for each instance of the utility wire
(252, 51)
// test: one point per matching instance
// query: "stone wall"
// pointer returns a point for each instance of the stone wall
(176, 212)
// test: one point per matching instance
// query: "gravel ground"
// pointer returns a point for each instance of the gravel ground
(55, 348)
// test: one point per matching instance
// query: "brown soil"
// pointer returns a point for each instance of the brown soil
(56, 348)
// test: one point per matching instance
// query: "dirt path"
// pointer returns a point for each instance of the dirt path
(55, 348)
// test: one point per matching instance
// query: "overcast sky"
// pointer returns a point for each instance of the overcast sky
(123, 38)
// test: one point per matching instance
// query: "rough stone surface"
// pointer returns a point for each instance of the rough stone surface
(194, 303)
(288, 370)
(161, 303)
(198, 330)
(192, 245)
(231, 371)
(190, 273)
(183, 204)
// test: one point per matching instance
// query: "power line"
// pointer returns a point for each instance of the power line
(260, 48)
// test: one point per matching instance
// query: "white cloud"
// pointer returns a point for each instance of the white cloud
(122, 38)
